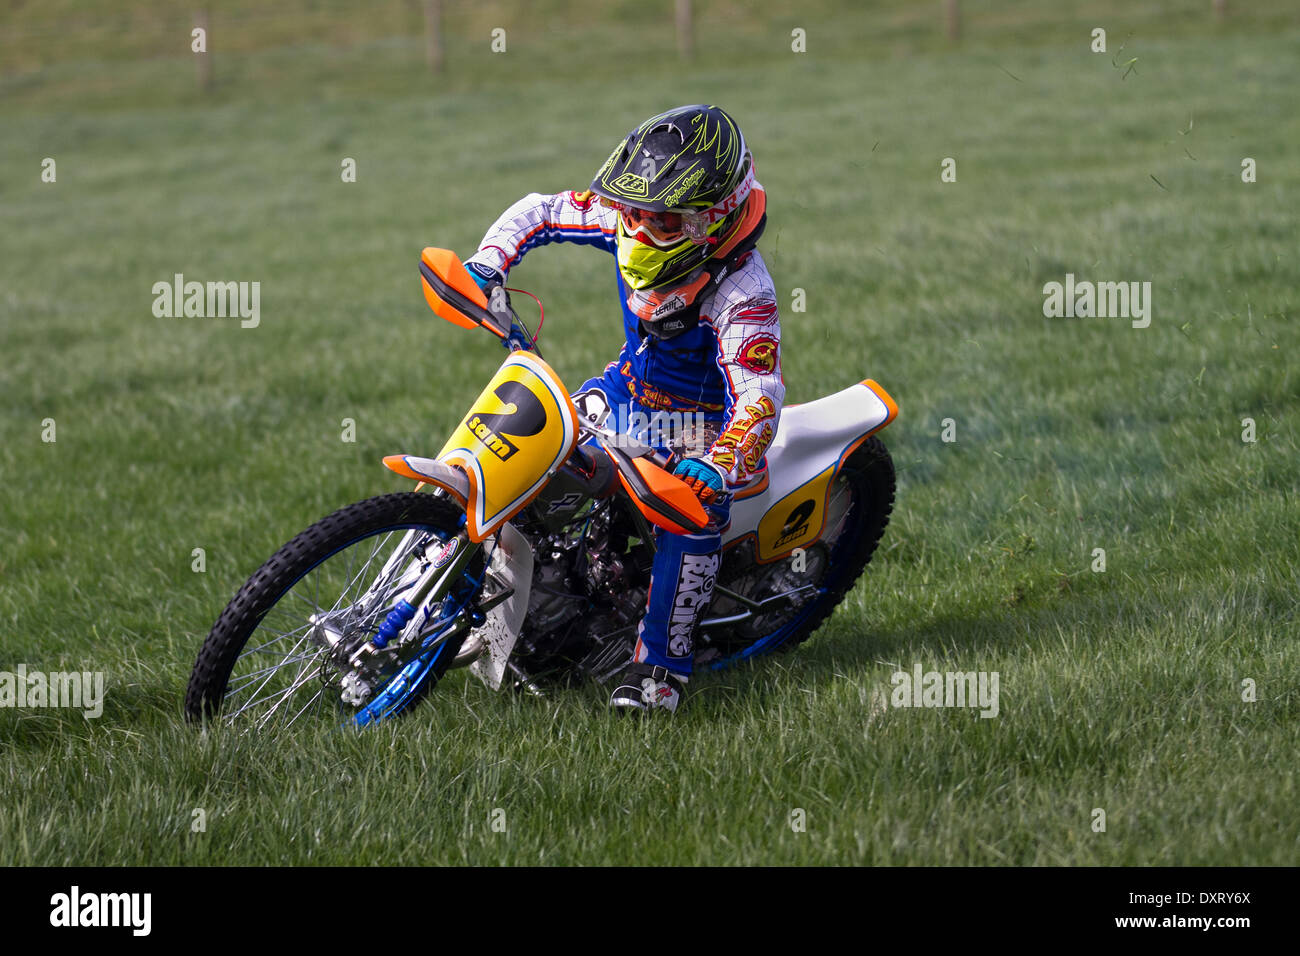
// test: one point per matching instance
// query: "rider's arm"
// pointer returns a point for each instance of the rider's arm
(749, 357)
(538, 219)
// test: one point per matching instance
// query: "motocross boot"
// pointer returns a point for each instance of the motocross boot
(645, 688)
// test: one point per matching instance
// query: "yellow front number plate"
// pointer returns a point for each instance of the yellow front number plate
(521, 428)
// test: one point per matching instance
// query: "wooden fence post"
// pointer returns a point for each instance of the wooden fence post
(433, 35)
(203, 61)
(952, 18)
(685, 40)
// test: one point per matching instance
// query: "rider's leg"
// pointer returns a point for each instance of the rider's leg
(683, 573)
(682, 580)
(603, 400)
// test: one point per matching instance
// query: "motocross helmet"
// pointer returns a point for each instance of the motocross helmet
(683, 185)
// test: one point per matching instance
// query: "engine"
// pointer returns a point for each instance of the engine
(588, 592)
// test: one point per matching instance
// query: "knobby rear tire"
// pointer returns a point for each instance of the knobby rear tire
(870, 473)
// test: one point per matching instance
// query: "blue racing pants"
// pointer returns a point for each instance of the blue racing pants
(685, 566)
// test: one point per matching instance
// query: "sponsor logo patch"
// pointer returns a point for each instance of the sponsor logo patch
(668, 306)
(446, 552)
(483, 271)
(759, 354)
(643, 393)
(581, 200)
(748, 436)
(755, 312)
(695, 579)
(592, 406)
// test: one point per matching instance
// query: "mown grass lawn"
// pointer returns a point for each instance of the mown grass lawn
(1121, 690)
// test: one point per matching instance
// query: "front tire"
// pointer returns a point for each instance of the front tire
(245, 671)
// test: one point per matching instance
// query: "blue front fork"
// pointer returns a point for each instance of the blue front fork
(398, 692)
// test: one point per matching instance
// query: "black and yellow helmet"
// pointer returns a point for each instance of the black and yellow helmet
(680, 182)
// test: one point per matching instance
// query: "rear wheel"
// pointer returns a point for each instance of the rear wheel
(857, 511)
(285, 646)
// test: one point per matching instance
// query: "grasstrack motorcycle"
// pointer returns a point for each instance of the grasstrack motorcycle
(524, 552)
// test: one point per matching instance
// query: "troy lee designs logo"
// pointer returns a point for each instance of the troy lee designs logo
(685, 187)
(632, 183)
(694, 591)
(748, 437)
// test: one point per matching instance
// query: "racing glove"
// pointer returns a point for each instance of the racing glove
(485, 277)
(493, 284)
(701, 477)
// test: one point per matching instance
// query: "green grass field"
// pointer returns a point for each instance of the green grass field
(1120, 690)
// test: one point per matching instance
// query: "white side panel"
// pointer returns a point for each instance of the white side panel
(513, 562)
(809, 440)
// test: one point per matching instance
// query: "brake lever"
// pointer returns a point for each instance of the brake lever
(517, 336)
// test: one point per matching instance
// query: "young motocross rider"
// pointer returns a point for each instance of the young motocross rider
(678, 206)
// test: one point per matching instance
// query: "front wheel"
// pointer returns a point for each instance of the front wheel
(295, 640)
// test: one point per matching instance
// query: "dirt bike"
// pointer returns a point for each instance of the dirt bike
(524, 552)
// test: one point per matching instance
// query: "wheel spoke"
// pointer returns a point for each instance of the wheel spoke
(284, 696)
(290, 666)
(261, 648)
(271, 674)
(353, 580)
(284, 662)
(315, 698)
